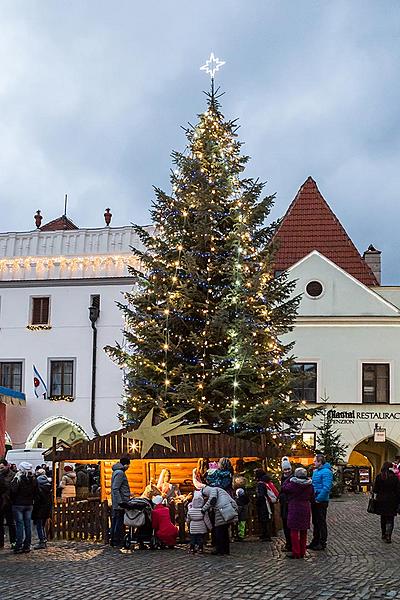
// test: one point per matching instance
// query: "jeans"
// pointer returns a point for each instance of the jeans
(320, 530)
(196, 539)
(6, 514)
(22, 517)
(40, 528)
(117, 527)
(222, 539)
(299, 542)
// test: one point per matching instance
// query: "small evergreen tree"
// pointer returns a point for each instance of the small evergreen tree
(329, 439)
(204, 326)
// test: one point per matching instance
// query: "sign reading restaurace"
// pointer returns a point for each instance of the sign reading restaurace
(349, 416)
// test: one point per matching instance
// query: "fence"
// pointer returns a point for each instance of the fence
(90, 520)
(80, 520)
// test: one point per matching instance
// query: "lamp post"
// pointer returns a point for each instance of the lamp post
(94, 313)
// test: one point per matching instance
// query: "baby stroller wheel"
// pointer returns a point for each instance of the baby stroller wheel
(127, 541)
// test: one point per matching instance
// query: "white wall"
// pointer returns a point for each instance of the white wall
(70, 337)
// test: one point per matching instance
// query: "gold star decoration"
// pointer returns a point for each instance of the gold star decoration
(150, 434)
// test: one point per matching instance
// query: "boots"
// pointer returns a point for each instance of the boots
(41, 545)
(389, 531)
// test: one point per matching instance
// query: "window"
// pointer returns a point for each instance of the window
(40, 311)
(309, 439)
(11, 375)
(375, 383)
(61, 379)
(305, 383)
(314, 289)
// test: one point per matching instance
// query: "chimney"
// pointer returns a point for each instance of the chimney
(372, 257)
(38, 219)
(107, 216)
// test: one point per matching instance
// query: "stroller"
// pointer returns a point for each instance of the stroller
(138, 519)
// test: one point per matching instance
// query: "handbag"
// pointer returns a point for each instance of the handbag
(371, 508)
(228, 513)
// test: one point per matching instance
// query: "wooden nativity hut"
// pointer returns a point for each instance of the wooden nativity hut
(151, 448)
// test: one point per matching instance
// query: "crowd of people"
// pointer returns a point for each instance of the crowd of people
(219, 505)
(26, 499)
(216, 509)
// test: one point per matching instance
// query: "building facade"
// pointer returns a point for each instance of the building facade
(347, 333)
(48, 280)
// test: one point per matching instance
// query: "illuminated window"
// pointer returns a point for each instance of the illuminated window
(309, 439)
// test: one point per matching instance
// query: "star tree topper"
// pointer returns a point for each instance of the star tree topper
(150, 434)
(212, 65)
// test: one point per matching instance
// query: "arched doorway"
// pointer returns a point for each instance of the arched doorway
(374, 453)
(59, 427)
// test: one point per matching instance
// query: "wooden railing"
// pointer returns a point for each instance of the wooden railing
(80, 520)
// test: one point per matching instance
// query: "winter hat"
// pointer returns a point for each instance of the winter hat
(157, 500)
(25, 467)
(239, 492)
(68, 469)
(286, 463)
(300, 473)
(40, 472)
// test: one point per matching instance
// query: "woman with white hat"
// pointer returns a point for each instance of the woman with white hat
(22, 491)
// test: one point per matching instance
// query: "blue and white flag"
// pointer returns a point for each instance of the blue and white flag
(39, 386)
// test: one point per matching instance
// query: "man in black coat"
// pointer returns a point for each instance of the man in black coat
(6, 477)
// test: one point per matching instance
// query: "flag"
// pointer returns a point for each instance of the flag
(39, 386)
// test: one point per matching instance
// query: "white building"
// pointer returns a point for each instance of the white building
(347, 331)
(48, 280)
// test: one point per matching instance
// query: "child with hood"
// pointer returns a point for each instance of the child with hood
(300, 494)
(165, 531)
(199, 523)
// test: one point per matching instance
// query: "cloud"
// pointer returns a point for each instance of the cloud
(92, 96)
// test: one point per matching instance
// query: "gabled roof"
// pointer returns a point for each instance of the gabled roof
(60, 224)
(309, 224)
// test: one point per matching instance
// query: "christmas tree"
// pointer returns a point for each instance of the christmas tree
(329, 440)
(203, 329)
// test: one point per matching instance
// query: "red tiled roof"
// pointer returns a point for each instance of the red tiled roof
(309, 224)
(59, 224)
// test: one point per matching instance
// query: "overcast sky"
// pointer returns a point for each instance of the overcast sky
(93, 94)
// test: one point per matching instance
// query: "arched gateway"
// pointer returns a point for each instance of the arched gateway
(374, 454)
(60, 427)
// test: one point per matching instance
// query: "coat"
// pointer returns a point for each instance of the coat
(42, 501)
(82, 483)
(199, 522)
(300, 495)
(6, 477)
(67, 485)
(120, 490)
(322, 479)
(163, 528)
(387, 495)
(217, 498)
(283, 498)
(23, 489)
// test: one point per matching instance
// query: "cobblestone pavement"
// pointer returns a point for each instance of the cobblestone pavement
(356, 566)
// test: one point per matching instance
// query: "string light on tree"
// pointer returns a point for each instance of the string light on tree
(204, 330)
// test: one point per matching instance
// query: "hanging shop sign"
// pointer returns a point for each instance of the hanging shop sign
(379, 434)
